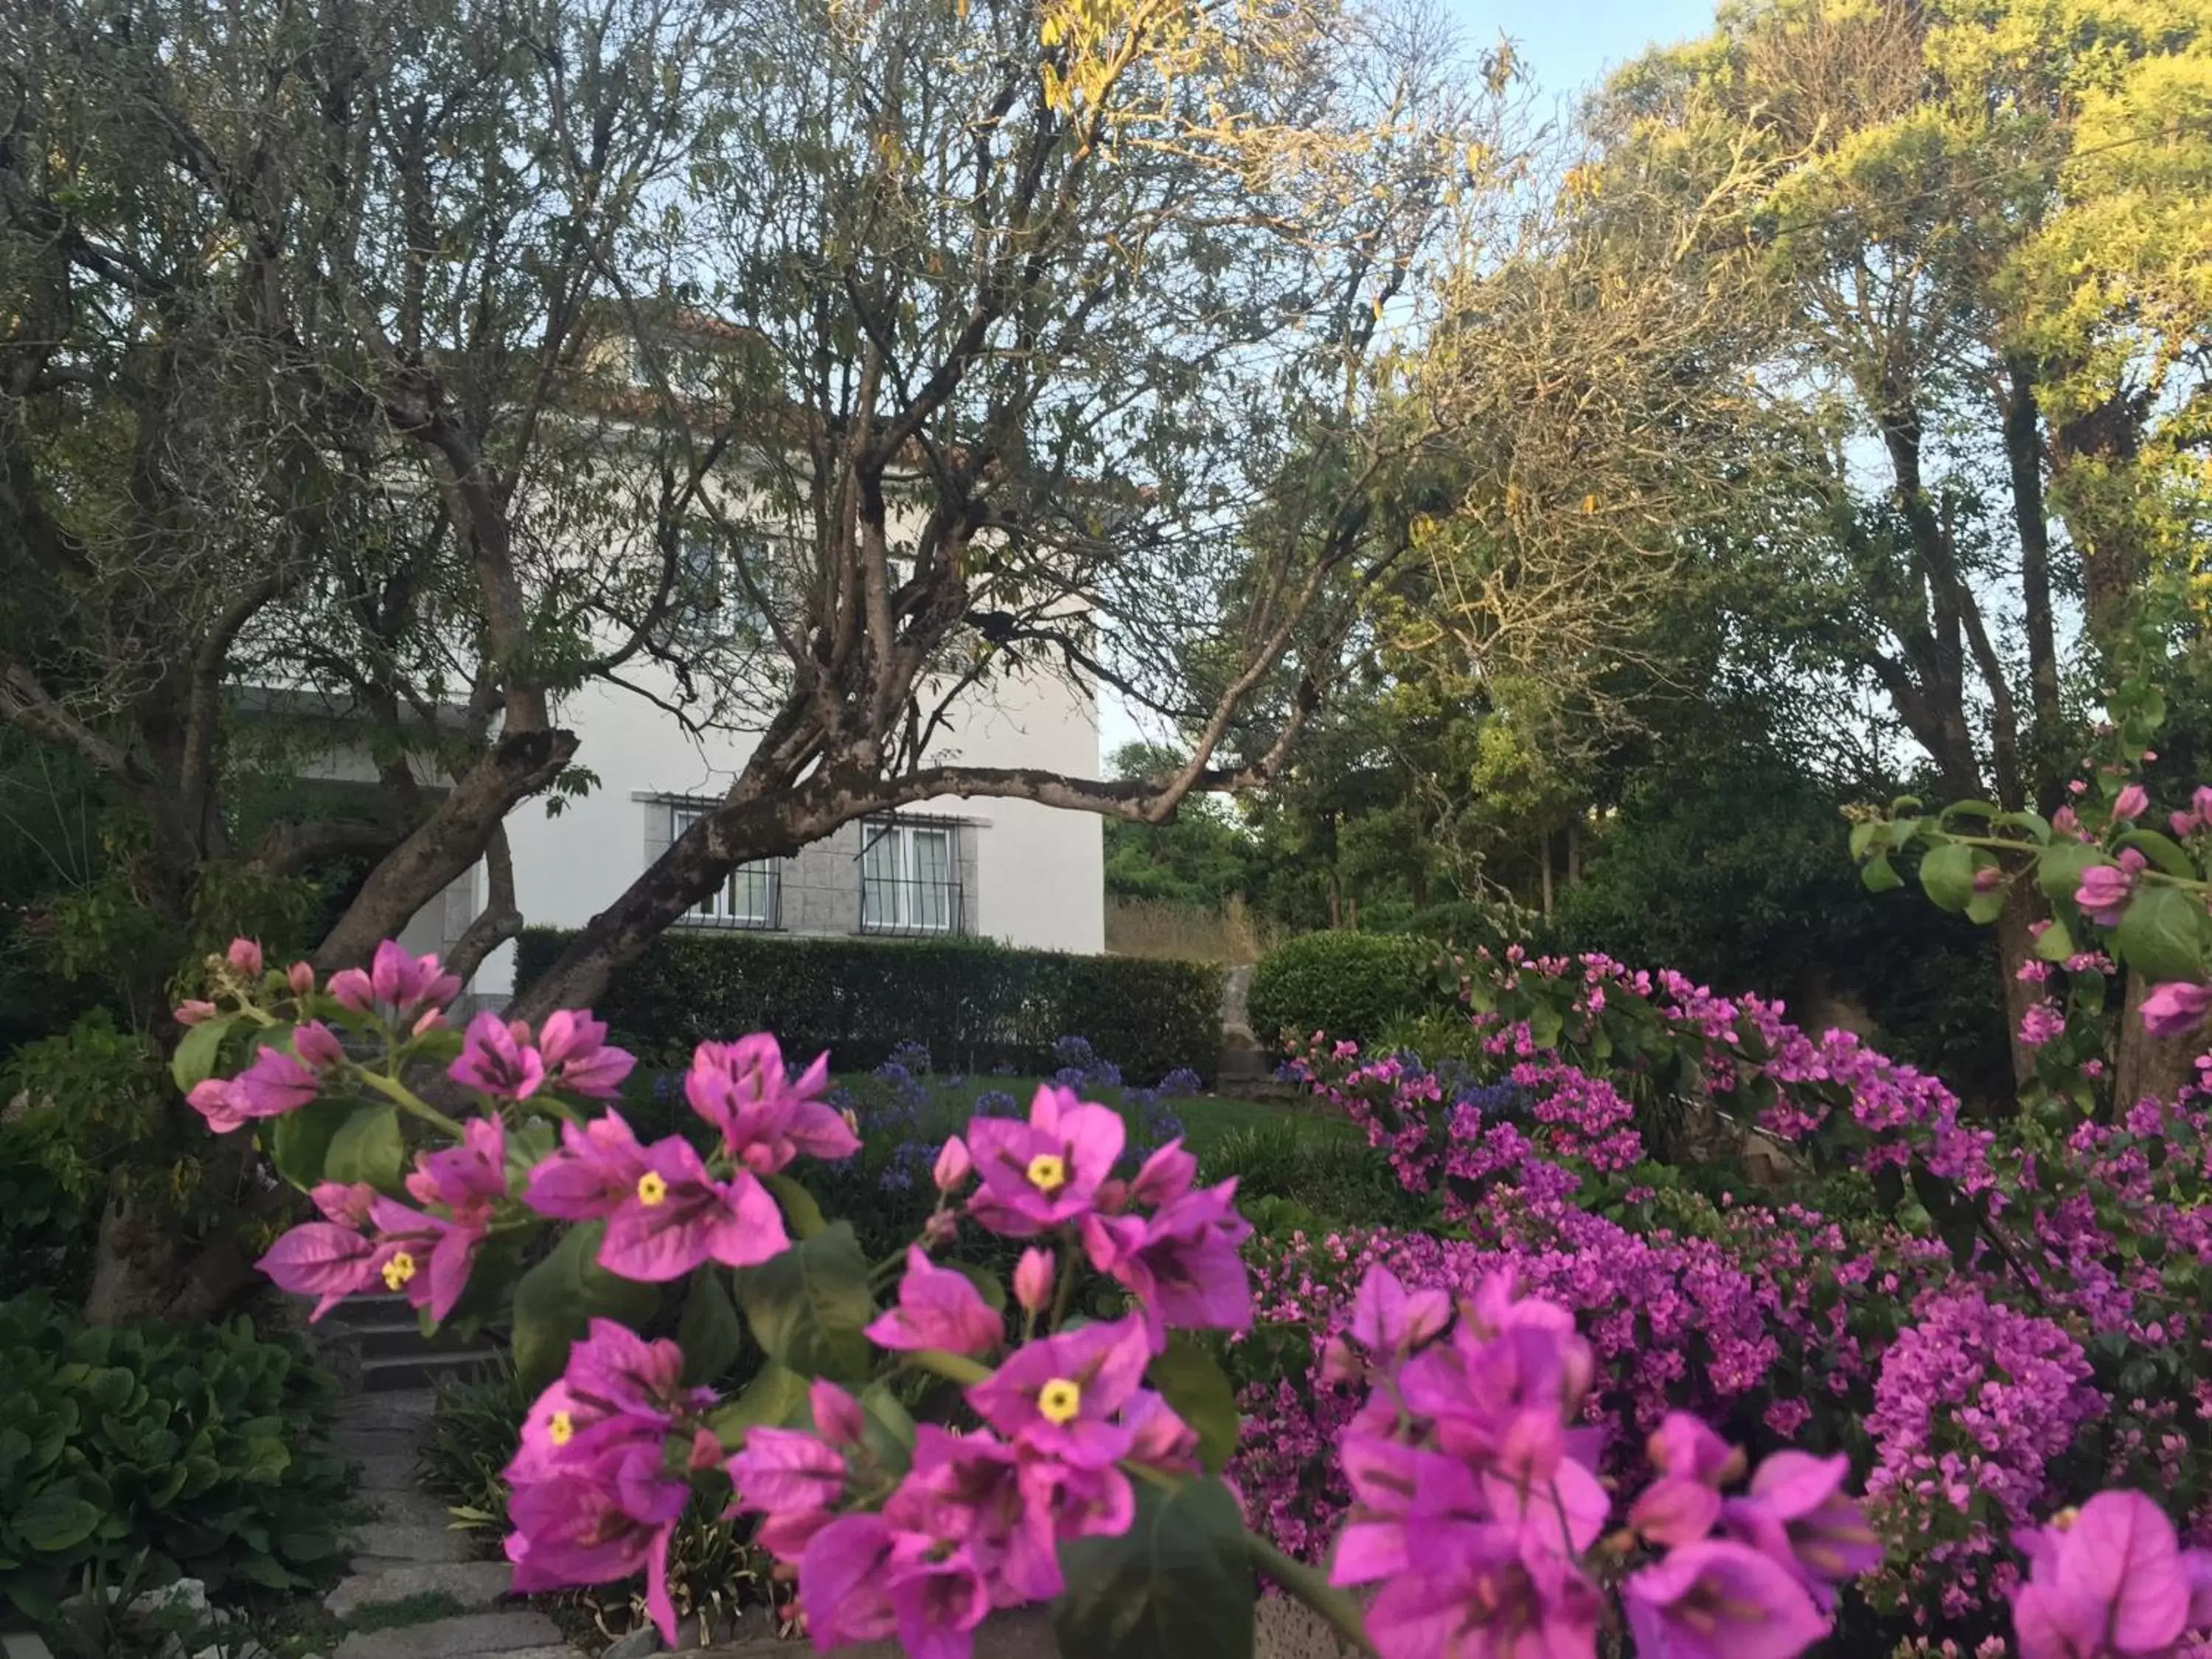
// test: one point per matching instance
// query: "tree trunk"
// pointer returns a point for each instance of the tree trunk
(1546, 857)
(141, 1270)
(2145, 1065)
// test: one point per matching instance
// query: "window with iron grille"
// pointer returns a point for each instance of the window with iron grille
(751, 896)
(910, 876)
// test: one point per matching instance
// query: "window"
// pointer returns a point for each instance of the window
(910, 876)
(713, 600)
(751, 896)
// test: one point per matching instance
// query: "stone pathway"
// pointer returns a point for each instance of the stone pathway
(408, 1549)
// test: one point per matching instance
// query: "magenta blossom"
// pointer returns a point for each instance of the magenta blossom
(598, 1167)
(317, 1045)
(766, 1119)
(1182, 1265)
(577, 1058)
(1396, 1489)
(1033, 1280)
(1718, 1600)
(572, 1529)
(2176, 1007)
(1797, 1514)
(2130, 804)
(272, 1085)
(245, 956)
(1059, 1396)
(677, 1217)
(498, 1058)
(975, 1487)
(2106, 888)
(1166, 1176)
(938, 1308)
(1471, 1588)
(399, 987)
(1046, 1172)
(842, 1583)
(2114, 1584)
(468, 1179)
(426, 1257)
(1390, 1321)
(793, 1480)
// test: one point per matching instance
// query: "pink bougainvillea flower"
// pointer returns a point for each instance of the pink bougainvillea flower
(2112, 1585)
(1797, 1513)
(1033, 1280)
(245, 956)
(1164, 1177)
(426, 1257)
(1719, 1600)
(1468, 1588)
(2106, 888)
(2130, 804)
(938, 1308)
(1041, 1174)
(1182, 1265)
(272, 1083)
(1675, 1510)
(468, 1179)
(1164, 1440)
(766, 1118)
(938, 1596)
(1390, 1321)
(2176, 1007)
(1685, 1445)
(577, 1057)
(597, 1169)
(323, 1260)
(793, 1480)
(193, 1010)
(1394, 1487)
(317, 1045)
(397, 987)
(842, 1583)
(837, 1416)
(677, 1217)
(953, 1167)
(972, 1486)
(498, 1058)
(1059, 1396)
(572, 1529)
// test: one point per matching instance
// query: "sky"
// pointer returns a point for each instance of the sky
(1565, 45)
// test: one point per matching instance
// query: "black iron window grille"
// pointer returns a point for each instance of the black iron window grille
(910, 876)
(751, 896)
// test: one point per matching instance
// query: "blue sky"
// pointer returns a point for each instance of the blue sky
(1568, 44)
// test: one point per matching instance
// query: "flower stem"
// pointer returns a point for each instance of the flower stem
(408, 1101)
(1311, 1586)
(953, 1367)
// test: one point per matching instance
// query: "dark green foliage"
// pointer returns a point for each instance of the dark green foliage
(1177, 1583)
(1349, 985)
(972, 1004)
(1288, 1178)
(203, 1451)
(474, 1432)
(47, 1226)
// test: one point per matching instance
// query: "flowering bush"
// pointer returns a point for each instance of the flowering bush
(973, 1443)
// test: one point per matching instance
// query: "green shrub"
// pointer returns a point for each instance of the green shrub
(973, 1004)
(203, 1451)
(1288, 1179)
(1349, 985)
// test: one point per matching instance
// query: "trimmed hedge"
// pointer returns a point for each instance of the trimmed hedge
(1349, 985)
(973, 1004)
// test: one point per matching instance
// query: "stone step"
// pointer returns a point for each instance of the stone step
(391, 1372)
(472, 1584)
(508, 1633)
(382, 1308)
(403, 1336)
(398, 1414)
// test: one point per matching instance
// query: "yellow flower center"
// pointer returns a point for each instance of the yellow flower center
(398, 1270)
(1059, 1400)
(1048, 1172)
(562, 1430)
(2064, 1520)
(652, 1189)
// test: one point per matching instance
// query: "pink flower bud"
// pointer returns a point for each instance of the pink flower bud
(301, 978)
(315, 1044)
(192, 1013)
(1338, 1363)
(245, 955)
(2077, 788)
(2182, 823)
(433, 1019)
(1033, 1278)
(837, 1417)
(1988, 879)
(940, 1229)
(2131, 805)
(954, 1165)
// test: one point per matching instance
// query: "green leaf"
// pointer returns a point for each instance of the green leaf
(2161, 933)
(556, 1300)
(772, 1399)
(1947, 875)
(57, 1519)
(2059, 866)
(198, 1051)
(2162, 850)
(1986, 908)
(801, 1214)
(1862, 836)
(1985, 809)
(1187, 1377)
(1176, 1585)
(366, 1147)
(709, 1332)
(2037, 827)
(2055, 943)
(808, 1306)
(1880, 876)
(299, 1142)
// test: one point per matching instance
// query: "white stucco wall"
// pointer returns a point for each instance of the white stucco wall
(1039, 873)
